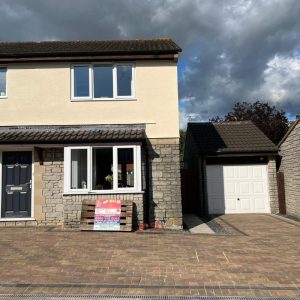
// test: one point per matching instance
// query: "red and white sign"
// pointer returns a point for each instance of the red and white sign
(107, 215)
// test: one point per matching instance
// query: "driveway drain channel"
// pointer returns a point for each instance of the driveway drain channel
(111, 296)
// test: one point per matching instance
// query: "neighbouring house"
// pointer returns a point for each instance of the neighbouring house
(233, 167)
(85, 120)
(289, 150)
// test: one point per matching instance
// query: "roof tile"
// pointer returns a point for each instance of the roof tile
(77, 48)
(69, 134)
(230, 137)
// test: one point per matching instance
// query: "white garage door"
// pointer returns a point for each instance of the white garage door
(237, 189)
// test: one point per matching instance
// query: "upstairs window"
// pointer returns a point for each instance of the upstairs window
(124, 80)
(103, 81)
(3, 71)
(81, 81)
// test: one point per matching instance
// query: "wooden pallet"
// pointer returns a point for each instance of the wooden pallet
(88, 213)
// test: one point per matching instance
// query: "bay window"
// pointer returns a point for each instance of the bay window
(102, 81)
(102, 169)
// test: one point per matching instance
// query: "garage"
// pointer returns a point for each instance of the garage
(233, 166)
(237, 189)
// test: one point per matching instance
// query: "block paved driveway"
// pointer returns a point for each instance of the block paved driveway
(263, 259)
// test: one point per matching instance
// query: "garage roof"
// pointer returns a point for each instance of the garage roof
(230, 137)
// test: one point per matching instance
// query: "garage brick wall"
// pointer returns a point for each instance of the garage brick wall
(290, 165)
(273, 191)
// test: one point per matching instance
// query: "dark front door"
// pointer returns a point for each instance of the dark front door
(16, 184)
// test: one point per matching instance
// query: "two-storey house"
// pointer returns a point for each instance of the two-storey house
(86, 120)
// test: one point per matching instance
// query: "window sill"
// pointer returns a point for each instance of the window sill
(16, 219)
(3, 97)
(103, 192)
(102, 99)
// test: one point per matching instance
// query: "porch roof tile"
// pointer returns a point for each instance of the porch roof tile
(70, 134)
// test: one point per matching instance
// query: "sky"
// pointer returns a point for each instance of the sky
(232, 50)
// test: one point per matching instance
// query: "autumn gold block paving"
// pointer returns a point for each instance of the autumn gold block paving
(262, 262)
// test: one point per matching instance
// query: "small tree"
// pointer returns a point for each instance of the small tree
(271, 121)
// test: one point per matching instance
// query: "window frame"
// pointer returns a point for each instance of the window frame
(115, 81)
(116, 190)
(6, 94)
(92, 80)
(91, 96)
(73, 83)
(67, 166)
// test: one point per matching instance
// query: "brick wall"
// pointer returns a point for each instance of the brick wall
(273, 191)
(290, 165)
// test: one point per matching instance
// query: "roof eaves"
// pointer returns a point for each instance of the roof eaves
(87, 53)
(89, 48)
(243, 153)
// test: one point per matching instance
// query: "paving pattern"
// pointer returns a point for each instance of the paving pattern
(263, 260)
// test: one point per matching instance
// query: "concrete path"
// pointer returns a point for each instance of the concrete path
(196, 225)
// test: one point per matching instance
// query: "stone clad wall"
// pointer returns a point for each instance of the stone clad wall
(290, 166)
(165, 189)
(72, 207)
(162, 200)
(59, 209)
(52, 177)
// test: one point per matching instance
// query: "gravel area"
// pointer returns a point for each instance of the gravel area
(214, 225)
(220, 226)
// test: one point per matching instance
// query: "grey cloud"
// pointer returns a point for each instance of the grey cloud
(227, 44)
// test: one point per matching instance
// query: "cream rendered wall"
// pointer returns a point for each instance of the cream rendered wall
(40, 94)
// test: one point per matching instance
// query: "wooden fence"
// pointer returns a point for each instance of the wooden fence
(189, 190)
(281, 193)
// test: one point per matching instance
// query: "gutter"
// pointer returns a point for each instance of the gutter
(85, 58)
(241, 154)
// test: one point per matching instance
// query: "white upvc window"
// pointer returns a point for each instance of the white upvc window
(102, 169)
(103, 81)
(3, 82)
